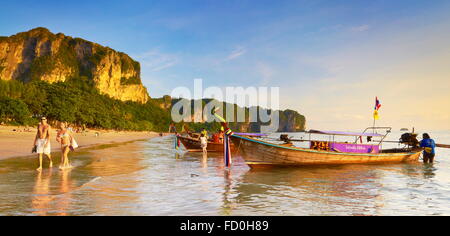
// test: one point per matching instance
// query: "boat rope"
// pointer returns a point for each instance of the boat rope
(240, 142)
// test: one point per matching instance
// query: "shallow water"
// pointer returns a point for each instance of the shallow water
(150, 178)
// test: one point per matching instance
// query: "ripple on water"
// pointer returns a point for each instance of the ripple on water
(151, 178)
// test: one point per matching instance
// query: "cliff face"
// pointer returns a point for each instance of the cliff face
(289, 120)
(41, 55)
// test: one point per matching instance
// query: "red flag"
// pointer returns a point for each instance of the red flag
(377, 104)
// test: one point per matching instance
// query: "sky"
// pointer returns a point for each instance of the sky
(330, 59)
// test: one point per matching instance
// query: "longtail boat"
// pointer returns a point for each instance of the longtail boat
(193, 145)
(259, 153)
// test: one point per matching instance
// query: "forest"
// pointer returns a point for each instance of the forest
(77, 102)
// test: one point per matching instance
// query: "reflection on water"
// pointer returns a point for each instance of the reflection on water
(48, 199)
(41, 199)
(65, 193)
(428, 171)
(150, 178)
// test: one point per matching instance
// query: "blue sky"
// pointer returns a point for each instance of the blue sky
(329, 58)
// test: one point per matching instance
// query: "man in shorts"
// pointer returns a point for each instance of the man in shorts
(42, 142)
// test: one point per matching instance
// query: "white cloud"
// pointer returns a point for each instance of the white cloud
(236, 53)
(155, 60)
(360, 28)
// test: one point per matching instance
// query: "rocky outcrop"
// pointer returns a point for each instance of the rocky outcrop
(41, 55)
(289, 120)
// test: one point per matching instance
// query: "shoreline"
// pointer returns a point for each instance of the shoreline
(17, 143)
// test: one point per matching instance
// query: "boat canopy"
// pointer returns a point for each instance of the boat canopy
(252, 134)
(344, 133)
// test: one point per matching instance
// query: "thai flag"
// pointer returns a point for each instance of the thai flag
(377, 104)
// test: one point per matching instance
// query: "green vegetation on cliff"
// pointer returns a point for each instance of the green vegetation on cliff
(76, 102)
(130, 81)
(14, 111)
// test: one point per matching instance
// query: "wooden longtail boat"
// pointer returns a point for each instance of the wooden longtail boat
(193, 145)
(258, 153)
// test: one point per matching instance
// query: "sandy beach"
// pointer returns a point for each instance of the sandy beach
(19, 143)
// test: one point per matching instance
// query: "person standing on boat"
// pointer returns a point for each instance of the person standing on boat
(203, 143)
(172, 128)
(215, 138)
(221, 133)
(429, 145)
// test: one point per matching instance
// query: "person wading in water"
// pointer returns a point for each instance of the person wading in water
(65, 138)
(428, 144)
(42, 142)
(204, 143)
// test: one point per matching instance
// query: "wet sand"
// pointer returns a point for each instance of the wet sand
(19, 143)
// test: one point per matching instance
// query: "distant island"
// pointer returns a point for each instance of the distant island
(86, 84)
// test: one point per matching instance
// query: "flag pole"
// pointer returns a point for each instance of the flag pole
(373, 126)
(375, 113)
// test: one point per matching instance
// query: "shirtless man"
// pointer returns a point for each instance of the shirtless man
(42, 142)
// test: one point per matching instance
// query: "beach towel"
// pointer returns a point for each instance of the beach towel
(74, 143)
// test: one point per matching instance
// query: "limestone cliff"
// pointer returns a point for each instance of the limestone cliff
(41, 55)
(289, 120)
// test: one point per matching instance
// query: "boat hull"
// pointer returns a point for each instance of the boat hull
(194, 145)
(257, 153)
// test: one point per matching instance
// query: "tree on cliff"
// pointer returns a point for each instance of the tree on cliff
(77, 102)
(14, 110)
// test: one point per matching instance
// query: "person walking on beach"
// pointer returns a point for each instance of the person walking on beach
(203, 142)
(42, 142)
(429, 145)
(65, 138)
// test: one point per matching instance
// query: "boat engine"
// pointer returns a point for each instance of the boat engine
(409, 139)
(285, 138)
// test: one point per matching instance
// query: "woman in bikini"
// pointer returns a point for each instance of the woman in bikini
(64, 137)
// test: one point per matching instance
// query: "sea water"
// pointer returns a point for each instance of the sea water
(151, 178)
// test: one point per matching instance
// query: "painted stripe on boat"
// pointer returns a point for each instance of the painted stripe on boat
(258, 163)
(332, 153)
